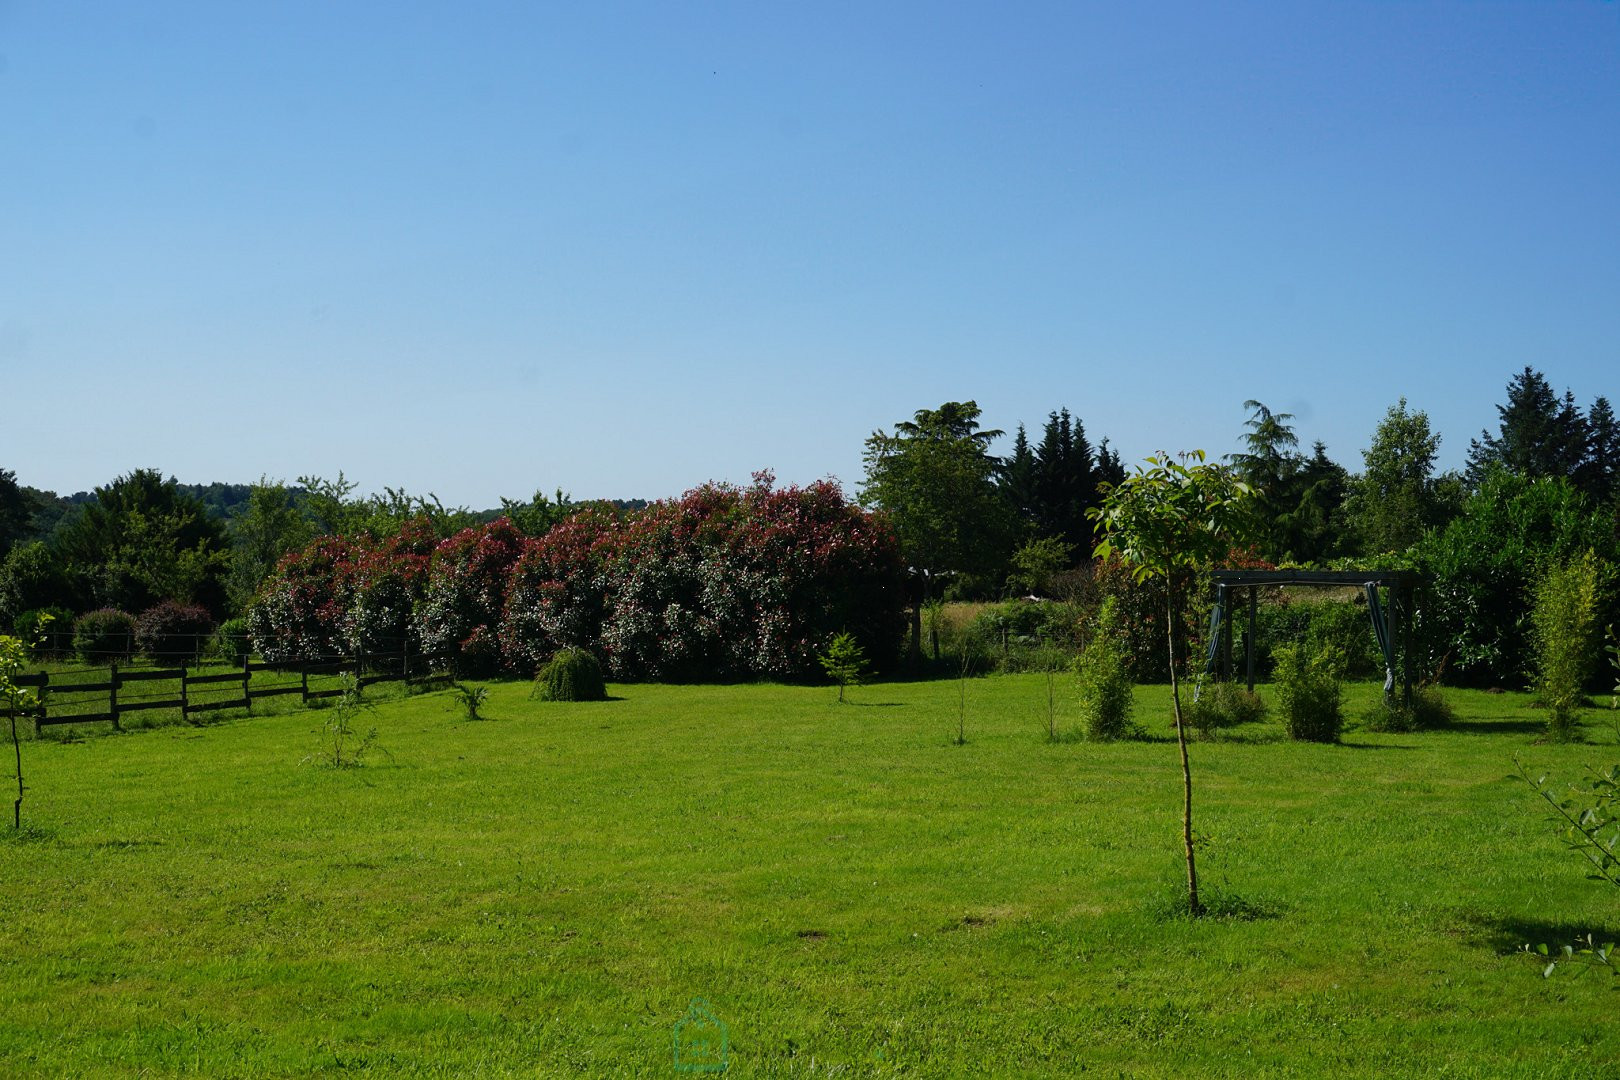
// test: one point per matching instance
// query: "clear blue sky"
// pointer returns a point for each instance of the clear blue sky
(478, 248)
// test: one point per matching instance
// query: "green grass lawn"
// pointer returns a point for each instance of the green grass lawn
(543, 893)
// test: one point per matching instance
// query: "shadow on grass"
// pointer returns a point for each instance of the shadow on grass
(875, 704)
(1497, 727)
(1510, 933)
(1220, 902)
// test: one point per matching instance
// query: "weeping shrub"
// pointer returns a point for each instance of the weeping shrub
(571, 675)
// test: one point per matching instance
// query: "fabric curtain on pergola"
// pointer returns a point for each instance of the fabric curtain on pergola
(1392, 626)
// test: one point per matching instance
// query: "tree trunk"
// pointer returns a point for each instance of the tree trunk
(1194, 908)
(914, 652)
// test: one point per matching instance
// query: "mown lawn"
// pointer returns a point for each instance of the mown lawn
(543, 893)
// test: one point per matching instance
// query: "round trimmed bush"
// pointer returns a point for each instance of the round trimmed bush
(174, 631)
(104, 634)
(571, 675)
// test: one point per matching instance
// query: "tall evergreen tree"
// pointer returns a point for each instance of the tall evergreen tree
(1065, 481)
(1539, 434)
(1271, 467)
(1599, 474)
(1017, 478)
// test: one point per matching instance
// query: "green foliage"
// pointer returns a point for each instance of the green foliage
(1397, 496)
(47, 631)
(32, 578)
(844, 662)
(1481, 569)
(1308, 686)
(1429, 711)
(935, 481)
(104, 634)
(231, 641)
(343, 745)
(13, 658)
(1319, 624)
(570, 675)
(1564, 633)
(1105, 679)
(1224, 704)
(1036, 563)
(536, 517)
(142, 540)
(1588, 820)
(470, 698)
(268, 527)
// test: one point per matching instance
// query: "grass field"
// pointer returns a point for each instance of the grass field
(544, 893)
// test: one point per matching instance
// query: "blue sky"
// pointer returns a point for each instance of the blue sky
(479, 249)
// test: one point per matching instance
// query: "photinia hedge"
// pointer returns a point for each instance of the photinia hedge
(725, 582)
(459, 614)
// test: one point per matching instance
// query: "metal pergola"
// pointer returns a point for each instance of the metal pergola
(1402, 588)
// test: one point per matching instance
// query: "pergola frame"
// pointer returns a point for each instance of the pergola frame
(1402, 586)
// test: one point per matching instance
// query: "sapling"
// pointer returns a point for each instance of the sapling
(13, 655)
(470, 698)
(1167, 521)
(844, 662)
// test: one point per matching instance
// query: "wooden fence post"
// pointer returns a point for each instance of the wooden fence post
(39, 713)
(185, 695)
(246, 675)
(112, 694)
(303, 682)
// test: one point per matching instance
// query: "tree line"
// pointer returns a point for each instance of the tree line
(969, 523)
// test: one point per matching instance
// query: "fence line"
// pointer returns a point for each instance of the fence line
(368, 670)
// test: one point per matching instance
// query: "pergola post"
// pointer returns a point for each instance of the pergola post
(1248, 647)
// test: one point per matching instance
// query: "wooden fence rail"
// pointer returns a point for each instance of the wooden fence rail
(368, 670)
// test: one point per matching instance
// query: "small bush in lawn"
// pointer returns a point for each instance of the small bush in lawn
(844, 662)
(470, 699)
(104, 634)
(1105, 678)
(172, 631)
(1308, 688)
(571, 675)
(1429, 711)
(1224, 704)
(1564, 632)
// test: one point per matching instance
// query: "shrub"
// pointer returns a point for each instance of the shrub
(1224, 704)
(104, 634)
(460, 610)
(1021, 633)
(1320, 624)
(844, 662)
(1428, 711)
(173, 631)
(231, 641)
(571, 675)
(53, 638)
(1308, 685)
(1105, 678)
(1564, 635)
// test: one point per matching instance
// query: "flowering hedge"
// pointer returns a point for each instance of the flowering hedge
(724, 582)
(459, 614)
(341, 595)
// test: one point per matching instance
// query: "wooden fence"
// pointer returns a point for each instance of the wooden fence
(61, 699)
